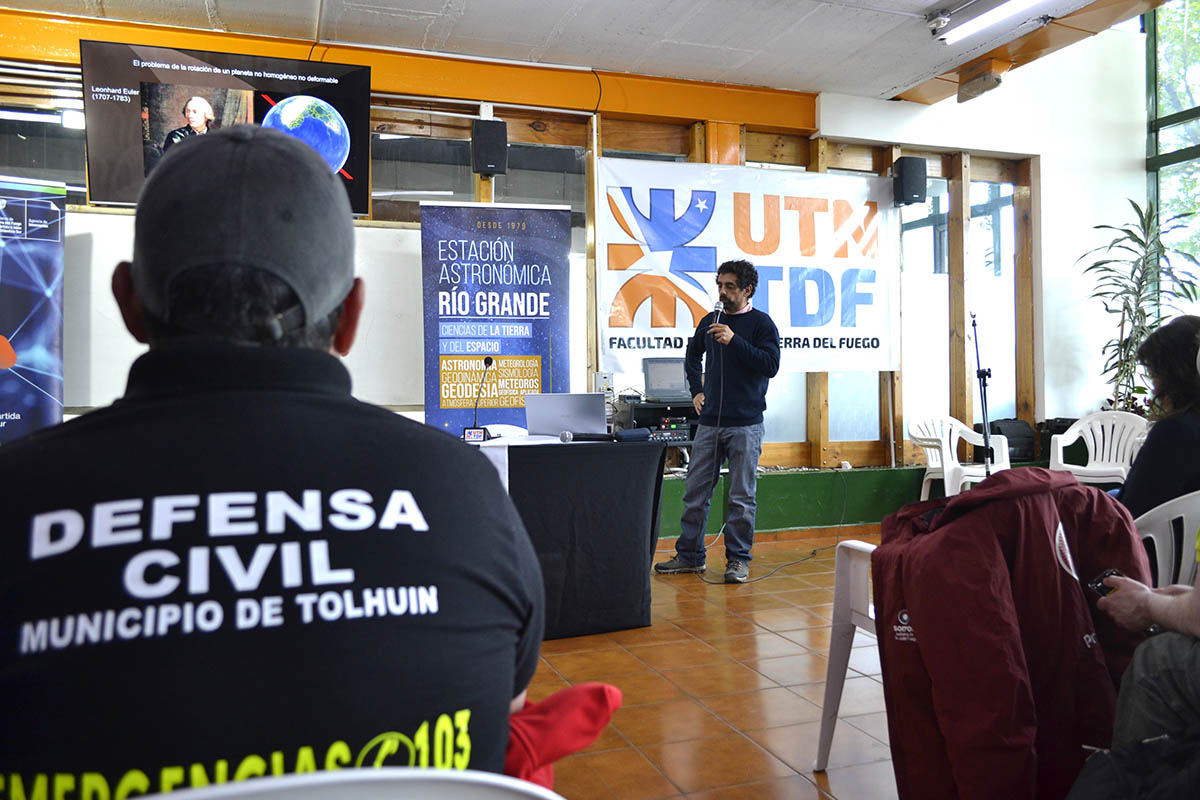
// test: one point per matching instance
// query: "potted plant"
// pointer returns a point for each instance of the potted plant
(1135, 280)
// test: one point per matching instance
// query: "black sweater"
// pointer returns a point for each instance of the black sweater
(735, 375)
(1166, 466)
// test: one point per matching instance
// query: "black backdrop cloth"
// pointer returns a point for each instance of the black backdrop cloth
(591, 510)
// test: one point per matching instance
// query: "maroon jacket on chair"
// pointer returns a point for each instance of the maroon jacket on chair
(997, 667)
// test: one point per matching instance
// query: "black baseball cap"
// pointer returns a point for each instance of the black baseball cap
(250, 197)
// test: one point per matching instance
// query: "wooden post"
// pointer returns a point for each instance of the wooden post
(590, 205)
(961, 372)
(697, 149)
(817, 383)
(483, 188)
(891, 405)
(1025, 321)
(725, 143)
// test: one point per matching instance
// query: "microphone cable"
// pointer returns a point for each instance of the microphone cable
(836, 541)
(711, 351)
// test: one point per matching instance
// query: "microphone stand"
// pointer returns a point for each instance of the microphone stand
(983, 375)
(476, 433)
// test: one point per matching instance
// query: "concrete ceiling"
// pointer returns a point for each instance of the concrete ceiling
(872, 48)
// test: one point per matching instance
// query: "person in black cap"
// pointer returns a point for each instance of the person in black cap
(238, 569)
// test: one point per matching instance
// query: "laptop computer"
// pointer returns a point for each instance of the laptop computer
(551, 414)
(666, 381)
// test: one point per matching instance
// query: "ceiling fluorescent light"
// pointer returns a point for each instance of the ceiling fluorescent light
(30, 116)
(413, 193)
(952, 33)
(73, 119)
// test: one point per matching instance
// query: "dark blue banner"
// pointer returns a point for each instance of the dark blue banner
(31, 272)
(495, 282)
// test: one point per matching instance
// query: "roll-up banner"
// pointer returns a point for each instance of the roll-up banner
(825, 247)
(495, 284)
(31, 273)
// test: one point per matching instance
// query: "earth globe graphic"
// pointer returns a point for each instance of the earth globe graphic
(314, 122)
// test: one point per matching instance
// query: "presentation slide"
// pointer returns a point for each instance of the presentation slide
(140, 101)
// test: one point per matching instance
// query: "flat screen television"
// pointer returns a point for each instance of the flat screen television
(140, 100)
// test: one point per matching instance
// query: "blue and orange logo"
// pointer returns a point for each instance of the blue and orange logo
(660, 247)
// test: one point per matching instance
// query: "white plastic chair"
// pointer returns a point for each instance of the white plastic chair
(1169, 533)
(939, 436)
(383, 783)
(1112, 438)
(852, 609)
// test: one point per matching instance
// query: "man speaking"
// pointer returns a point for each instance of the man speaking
(738, 347)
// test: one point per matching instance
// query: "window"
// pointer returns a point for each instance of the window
(923, 231)
(1174, 151)
(406, 170)
(925, 294)
(34, 144)
(991, 295)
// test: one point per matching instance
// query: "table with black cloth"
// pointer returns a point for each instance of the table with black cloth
(591, 509)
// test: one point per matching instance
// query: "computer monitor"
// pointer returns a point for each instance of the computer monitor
(138, 96)
(666, 382)
(551, 414)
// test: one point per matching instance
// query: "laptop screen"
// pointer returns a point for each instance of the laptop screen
(551, 414)
(665, 380)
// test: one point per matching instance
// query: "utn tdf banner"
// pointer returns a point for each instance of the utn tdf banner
(824, 246)
(495, 281)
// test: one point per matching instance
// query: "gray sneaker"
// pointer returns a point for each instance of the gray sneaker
(736, 571)
(676, 566)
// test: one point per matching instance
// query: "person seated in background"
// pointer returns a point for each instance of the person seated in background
(1167, 466)
(199, 115)
(238, 569)
(1160, 691)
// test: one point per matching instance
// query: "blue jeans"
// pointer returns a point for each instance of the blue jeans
(742, 445)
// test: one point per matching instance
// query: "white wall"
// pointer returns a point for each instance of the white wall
(386, 364)
(1081, 114)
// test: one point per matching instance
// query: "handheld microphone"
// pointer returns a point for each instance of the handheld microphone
(476, 433)
(571, 436)
(717, 309)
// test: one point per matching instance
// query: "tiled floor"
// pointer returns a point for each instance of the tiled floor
(723, 692)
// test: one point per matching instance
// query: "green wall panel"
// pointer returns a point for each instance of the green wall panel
(806, 499)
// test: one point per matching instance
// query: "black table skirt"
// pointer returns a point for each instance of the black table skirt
(591, 510)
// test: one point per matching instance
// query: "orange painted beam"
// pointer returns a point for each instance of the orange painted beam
(55, 39)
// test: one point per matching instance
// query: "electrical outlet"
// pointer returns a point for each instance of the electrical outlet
(602, 382)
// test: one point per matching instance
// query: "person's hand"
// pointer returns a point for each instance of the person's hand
(1127, 605)
(721, 332)
(698, 402)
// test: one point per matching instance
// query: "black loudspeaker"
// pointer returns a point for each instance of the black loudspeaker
(908, 180)
(489, 147)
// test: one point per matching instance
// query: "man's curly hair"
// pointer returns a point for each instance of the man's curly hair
(747, 275)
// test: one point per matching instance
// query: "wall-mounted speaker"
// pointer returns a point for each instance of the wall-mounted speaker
(908, 180)
(489, 147)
